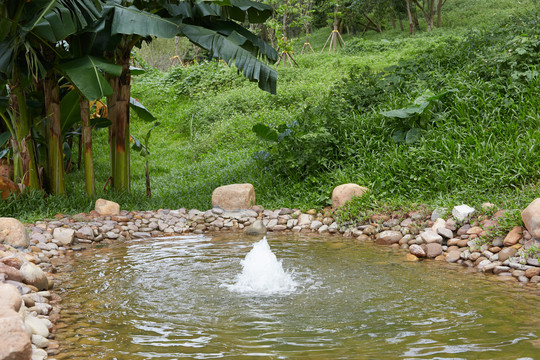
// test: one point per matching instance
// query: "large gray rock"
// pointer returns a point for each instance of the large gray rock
(343, 193)
(10, 272)
(10, 298)
(257, 228)
(106, 207)
(64, 236)
(14, 340)
(531, 218)
(429, 236)
(305, 220)
(13, 233)
(417, 250)
(234, 197)
(389, 237)
(433, 250)
(33, 275)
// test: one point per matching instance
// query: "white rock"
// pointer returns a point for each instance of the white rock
(323, 229)
(315, 225)
(429, 236)
(39, 354)
(304, 220)
(40, 341)
(36, 326)
(64, 236)
(462, 212)
(33, 275)
(439, 223)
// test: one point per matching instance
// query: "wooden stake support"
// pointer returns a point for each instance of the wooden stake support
(286, 58)
(307, 47)
(334, 39)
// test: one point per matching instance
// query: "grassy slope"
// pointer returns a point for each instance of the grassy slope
(206, 141)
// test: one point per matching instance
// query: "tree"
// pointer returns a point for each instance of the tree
(30, 32)
(212, 25)
(429, 8)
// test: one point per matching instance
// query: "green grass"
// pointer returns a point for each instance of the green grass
(480, 144)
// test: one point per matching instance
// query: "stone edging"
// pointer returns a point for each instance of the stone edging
(470, 243)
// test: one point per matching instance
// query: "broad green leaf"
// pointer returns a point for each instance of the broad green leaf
(136, 71)
(413, 135)
(100, 123)
(147, 137)
(56, 19)
(137, 146)
(4, 137)
(5, 26)
(221, 47)
(86, 74)
(134, 21)
(140, 110)
(265, 132)
(399, 113)
(398, 136)
(237, 9)
(244, 38)
(70, 110)
(4, 103)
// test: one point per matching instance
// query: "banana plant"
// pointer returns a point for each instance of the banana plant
(210, 24)
(30, 35)
(143, 148)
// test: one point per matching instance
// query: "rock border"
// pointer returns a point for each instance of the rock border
(473, 242)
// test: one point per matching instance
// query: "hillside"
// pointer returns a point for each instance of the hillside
(476, 140)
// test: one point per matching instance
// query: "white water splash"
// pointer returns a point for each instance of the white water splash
(263, 273)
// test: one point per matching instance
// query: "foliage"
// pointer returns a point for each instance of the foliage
(486, 149)
(414, 119)
(209, 77)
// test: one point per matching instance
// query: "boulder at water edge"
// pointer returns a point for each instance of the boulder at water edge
(346, 192)
(33, 275)
(10, 298)
(234, 197)
(106, 207)
(14, 340)
(7, 187)
(531, 218)
(12, 232)
(257, 228)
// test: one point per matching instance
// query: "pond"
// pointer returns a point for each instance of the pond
(176, 298)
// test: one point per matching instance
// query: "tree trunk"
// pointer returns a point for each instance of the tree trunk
(55, 158)
(121, 180)
(401, 24)
(409, 14)
(87, 146)
(24, 159)
(392, 20)
(147, 176)
(285, 3)
(440, 4)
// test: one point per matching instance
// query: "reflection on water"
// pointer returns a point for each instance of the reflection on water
(164, 299)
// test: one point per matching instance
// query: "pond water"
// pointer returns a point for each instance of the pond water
(175, 298)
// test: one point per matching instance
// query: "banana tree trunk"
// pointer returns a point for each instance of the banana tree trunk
(87, 146)
(23, 149)
(55, 149)
(120, 129)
